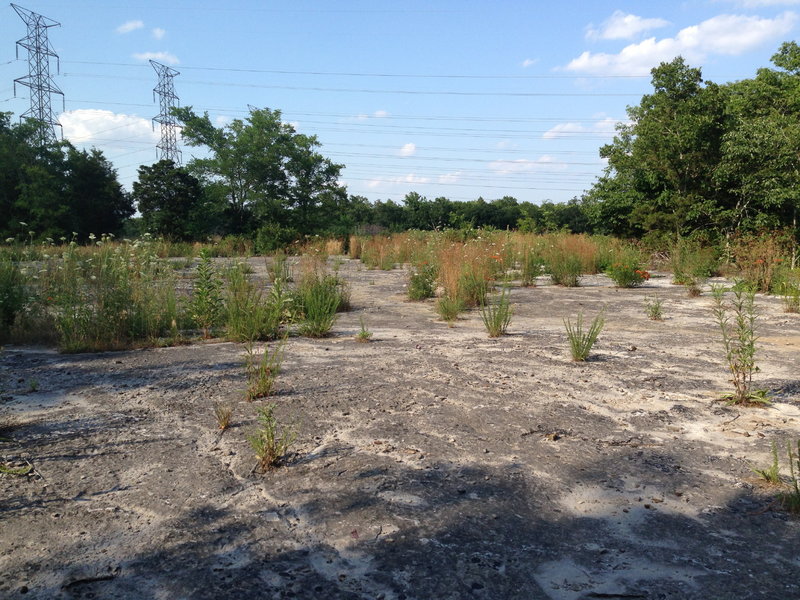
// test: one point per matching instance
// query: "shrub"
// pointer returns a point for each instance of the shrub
(626, 269)
(422, 282)
(737, 322)
(531, 265)
(13, 295)
(318, 299)
(207, 305)
(790, 295)
(248, 316)
(580, 341)
(565, 269)
(759, 258)
(691, 264)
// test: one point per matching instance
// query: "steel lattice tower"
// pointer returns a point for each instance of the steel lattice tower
(39, 79)
(168, 147)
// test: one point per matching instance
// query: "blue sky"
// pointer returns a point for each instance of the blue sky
(446, 98)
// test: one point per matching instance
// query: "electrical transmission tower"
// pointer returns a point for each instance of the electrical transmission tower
(39, 79)
(168, 147)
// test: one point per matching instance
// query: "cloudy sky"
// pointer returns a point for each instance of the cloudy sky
(447, 98)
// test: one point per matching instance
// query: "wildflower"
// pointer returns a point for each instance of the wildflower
(9, 240)
(760, 261)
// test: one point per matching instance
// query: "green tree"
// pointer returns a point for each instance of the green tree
(760, 164)
(266, 172)
(667, 154)
(169, 200)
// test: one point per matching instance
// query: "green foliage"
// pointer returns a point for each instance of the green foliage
(532, 265)
(791, 499)
(691, 263)
(580, 340)
(249, 316)
(422, 282)
(449, 308)
(170, 201)
(496, 315)
(364, 334)
(263, 371)
(274, 237)
(318, 298)
(56, 189)
(771, 474)
(626, 269)
(13, 295)
(790, 295)
(565, 268)
(653, 307)
(736, 319)
(207, 305)
(264, 171)
(271, 441)
(110, 297)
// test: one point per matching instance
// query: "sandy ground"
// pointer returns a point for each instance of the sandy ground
(432, 462)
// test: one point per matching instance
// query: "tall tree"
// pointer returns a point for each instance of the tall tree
(267, 171)
(169, 200)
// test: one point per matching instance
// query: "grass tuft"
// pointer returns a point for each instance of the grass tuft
(580, 340)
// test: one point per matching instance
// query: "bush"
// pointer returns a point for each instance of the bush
(422, 282)
(626, 271)
(12, 294)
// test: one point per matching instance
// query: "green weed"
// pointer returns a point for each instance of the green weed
(263, 371)
(580, 340)
(496, 316)
(271, 441)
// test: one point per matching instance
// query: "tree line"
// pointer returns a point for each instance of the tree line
(695, 158)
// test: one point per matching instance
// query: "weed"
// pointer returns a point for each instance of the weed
(691, 264)
(20, 471)
(790, 295)
(270, 441)
(448, 309)
(626, 269)
(12, 294)
(737, 323)
(33, 385)
(580, 341)
(206, 306)
(223, 413)
(771, 474)
(565, 269)
(422, 282)
(496, 316)
(653, 307)
(791, 499)
(531, 264)
(278, 269)
(318, 299)
(248, 316)
(263, 371)
(364, 335)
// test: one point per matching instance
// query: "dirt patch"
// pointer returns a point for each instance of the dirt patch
(432, 462)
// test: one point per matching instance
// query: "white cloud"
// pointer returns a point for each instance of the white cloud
(108, 130)
(449, 177)
(158, 33)
(410, 178)
(606, 125)
(409, 149)
(378, 114)
(528, 62)
(724, 34)
(162, 57)
(129, 26)
(621, 26)
(525, 165)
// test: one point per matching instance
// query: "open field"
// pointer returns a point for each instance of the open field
(432, 462)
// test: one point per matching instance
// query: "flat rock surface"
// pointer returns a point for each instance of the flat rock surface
(432, 462)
